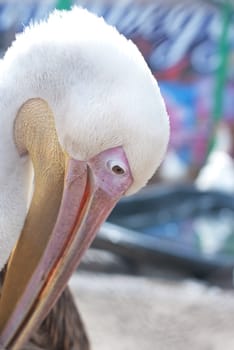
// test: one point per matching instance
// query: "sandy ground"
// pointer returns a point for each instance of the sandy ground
(137, 313)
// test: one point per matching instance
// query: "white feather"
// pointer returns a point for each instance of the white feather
(102, 95)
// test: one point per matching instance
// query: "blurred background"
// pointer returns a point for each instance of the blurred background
(160, 273)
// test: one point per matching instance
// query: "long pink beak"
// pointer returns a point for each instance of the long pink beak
(86, 203)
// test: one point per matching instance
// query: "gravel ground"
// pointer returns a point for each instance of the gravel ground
(137, 313)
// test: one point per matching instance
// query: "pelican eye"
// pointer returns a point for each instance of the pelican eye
(116, 168)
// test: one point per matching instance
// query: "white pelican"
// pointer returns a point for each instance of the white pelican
(80, 107)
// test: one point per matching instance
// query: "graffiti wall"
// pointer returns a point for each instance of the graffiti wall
(181, 43)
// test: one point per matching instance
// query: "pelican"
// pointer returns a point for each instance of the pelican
(82, 123)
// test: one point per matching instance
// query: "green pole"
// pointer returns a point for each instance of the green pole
(64, 4)
(221, 73)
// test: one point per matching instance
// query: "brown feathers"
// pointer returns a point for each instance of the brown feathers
(62, 329)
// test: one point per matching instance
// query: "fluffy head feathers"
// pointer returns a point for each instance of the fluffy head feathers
(98, 85)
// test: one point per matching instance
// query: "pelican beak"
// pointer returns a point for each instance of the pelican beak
(58, 229)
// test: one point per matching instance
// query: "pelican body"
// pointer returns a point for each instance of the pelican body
(82, 123)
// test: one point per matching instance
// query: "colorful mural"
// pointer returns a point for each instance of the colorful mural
(182, 43)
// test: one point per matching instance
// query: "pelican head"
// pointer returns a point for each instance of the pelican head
(83, 124)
